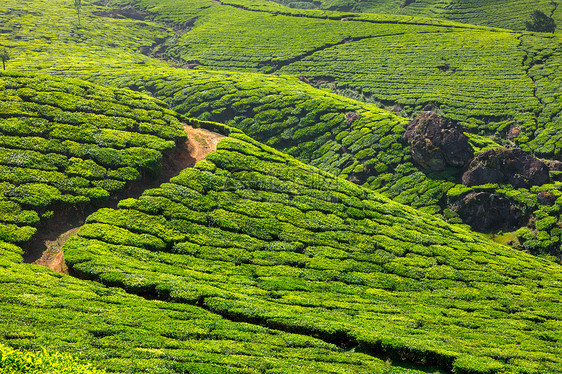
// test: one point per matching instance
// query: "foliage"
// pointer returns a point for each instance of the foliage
(259, 237)
(510, 14)
(15, 362)
(123, 333)
(540, 22)
(251, 236)
(70, 143)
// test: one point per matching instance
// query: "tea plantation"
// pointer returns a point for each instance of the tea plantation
(354, 140)
(68, 145)
(400, 62)
(282, 251)
(14, 361)
(509, 14)
(258, 237)
(123, 333)
(392, 59)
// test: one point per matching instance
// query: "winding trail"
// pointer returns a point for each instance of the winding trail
(199, 144)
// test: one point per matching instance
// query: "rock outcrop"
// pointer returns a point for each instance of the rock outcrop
(506, 166)
(546, 198)
(436, 143)
(485, 211)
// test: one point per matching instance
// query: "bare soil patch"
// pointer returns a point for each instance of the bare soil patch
(53, 257)
(200, 143)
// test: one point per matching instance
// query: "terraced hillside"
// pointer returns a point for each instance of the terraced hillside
(517, 90)
(67, 146)
(387, 59)
(123, 333)
(496, 70)
(104, 326)
(254, 243)
(253, 261)
(509, 14)
(354, 140)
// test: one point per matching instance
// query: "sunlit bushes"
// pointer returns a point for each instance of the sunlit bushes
(14, 362)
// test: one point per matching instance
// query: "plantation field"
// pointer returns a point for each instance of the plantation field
(406, 73)
(45, 35)
(281, 252)
(388, 59)
(259, 237)
(345, 137)
(123, 333)
(516, 89)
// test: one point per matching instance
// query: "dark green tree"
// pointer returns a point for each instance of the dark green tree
(5, 56)
(78, 5)
(540, 22)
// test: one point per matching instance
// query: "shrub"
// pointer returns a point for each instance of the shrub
(540, 22)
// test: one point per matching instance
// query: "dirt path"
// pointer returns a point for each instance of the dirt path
(199, 144)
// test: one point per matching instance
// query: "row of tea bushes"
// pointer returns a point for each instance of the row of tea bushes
(68, 143)
(259, 237)
(45, 35)
(391, 59)
(354, 140)
(544, 64)
(123, 333)
(511, 14)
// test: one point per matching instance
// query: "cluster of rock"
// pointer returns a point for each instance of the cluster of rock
(485, 211)
(506, 166)
(436, 144)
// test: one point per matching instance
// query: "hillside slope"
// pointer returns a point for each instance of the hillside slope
(121, 134)
(252, 261)
(485, 78)
(123, 333)
(67, 146)
(258, 237)
(351, 139)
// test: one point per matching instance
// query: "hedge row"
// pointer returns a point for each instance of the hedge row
(122, 333)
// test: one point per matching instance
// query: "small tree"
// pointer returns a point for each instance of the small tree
(5, 56)
(540, 22)
(78, 5)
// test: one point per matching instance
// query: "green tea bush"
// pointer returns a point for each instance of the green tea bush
(14, 362)
(119, 332)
